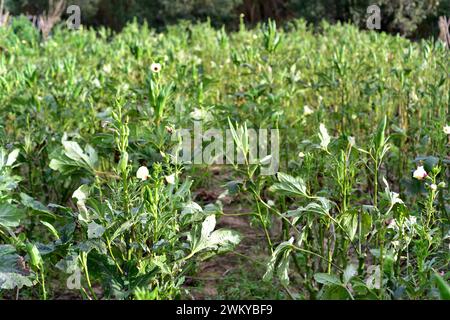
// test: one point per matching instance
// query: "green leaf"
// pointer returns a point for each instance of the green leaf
(12, 157)
(51, 228)
(74, 158)
(349, 273)
(327, 279)
(443, 287)
(35, 256)
(380, 139)
(95, 230)
(333, 292)
(349, 221)
(279, 262)
(69, 263)
(125, 226)
(222, 238)
(10, 215)
(11, 274)
(103, 267)
(31, 203)
(366, 224)
(289, 185)
(321, 208)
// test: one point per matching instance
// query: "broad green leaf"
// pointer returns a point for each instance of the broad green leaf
(31, 203)
(74, 158)
(11, 274)
(95, 230)
(10, 215)
(349, 273)
(279, 262)
(69, 263)
(224, 237)
(327, 279)
(90, 245)
(210, 239)
(349, 221)
(103, 267)
(289, 185)
(321, 208)
(333, 292)
(208, 226)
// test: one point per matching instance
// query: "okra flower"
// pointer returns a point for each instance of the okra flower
(170, 179)
(420, 173)
(142, 173)
(447, 129)
(307, 110)
(155, 67)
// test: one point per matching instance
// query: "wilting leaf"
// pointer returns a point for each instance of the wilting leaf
(279, 262)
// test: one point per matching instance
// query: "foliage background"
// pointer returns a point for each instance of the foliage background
(413, 18)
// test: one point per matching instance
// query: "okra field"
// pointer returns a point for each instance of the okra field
(114, 183)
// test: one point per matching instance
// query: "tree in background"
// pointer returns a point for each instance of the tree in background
(410, 18)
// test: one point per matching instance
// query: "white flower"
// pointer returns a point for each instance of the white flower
(447, 129)
(142, 173)
(433, 187)
(393, 224)
(307, 110)
(96, 83)
(107, 68)
(420, 173)
(352, 141)
(324, 137)
(155, 67)
(81, 194)
(170, 179)
(301, 154)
